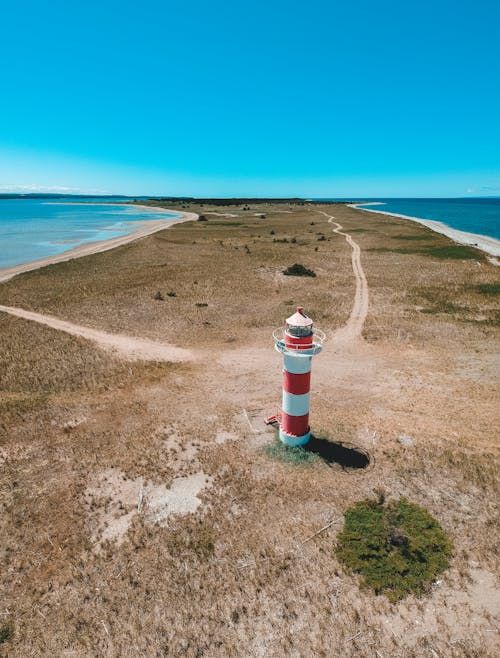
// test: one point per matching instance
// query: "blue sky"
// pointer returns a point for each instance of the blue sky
(319, 98)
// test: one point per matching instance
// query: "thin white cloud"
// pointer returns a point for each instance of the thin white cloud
(492, 188)
(55, 189)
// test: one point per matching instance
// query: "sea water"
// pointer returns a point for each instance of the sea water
(479, 215)
(33, 228)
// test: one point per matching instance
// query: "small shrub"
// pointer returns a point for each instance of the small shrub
(171, 293)
(272, 232)
(202, 218)
(201, 304)
(298, 270)
(280, 240)
(158, 296)
(6, 633)
(398, 547)
(293, 240)
(489, 288)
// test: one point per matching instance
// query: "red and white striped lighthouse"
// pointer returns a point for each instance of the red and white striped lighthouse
(298, 342)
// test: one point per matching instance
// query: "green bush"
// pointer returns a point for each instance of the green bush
(298, 270)
(398, 548)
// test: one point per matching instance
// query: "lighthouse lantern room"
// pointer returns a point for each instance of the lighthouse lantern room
(298, 342)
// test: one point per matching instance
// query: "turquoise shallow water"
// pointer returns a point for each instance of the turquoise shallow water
(31, 229)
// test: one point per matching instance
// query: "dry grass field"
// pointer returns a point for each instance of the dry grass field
(141, 514)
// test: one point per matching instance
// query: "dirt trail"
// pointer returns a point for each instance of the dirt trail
(133, 348)
(351, 331)
(127, 347)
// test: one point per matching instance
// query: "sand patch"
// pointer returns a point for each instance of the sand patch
(181, 450)
(274, 274)
(222, 214)
(113, 500)
(180, 498)
(222, 437)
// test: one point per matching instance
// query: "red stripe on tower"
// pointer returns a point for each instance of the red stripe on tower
(296, 384)
(298, 343)
(294, 425)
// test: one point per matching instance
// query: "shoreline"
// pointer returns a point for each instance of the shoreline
(144, 228)
(484, 243)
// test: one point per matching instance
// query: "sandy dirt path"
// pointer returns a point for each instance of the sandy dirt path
(127, 347)
(133, 348)
(351, 331)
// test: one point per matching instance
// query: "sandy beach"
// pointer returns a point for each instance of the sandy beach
(483, 242)
(143, 229)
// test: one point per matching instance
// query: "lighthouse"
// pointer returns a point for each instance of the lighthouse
(298, 342)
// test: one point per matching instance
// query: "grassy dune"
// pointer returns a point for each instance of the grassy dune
(245, 574)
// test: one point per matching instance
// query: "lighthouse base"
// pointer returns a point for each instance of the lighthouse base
(292, 440)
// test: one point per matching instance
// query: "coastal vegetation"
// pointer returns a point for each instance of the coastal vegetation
(459, 252)
(398, 547)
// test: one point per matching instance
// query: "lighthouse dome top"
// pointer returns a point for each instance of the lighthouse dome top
(299, 319)
(298, 338)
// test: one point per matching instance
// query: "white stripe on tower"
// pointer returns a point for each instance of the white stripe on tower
(297, 365)
(295, 405)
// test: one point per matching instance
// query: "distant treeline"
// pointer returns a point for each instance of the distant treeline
(243, 201)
